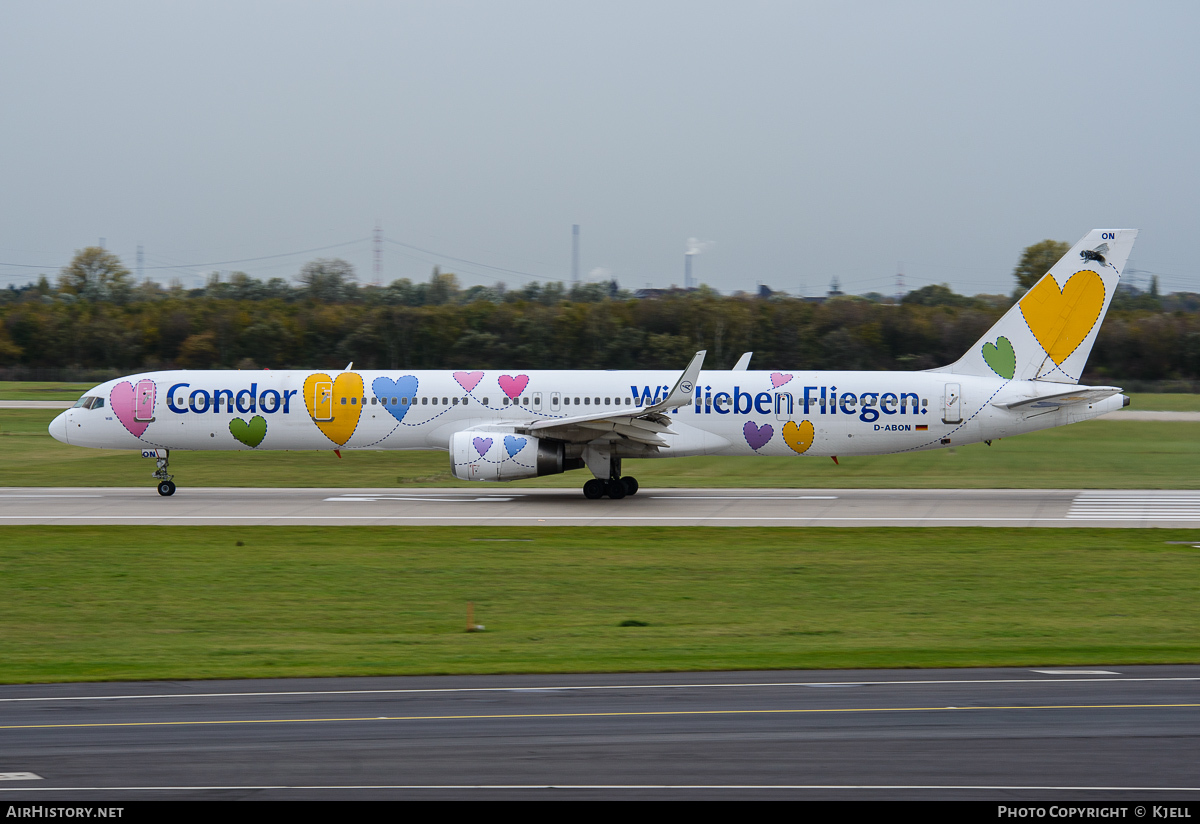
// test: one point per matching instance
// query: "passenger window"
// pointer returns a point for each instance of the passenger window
(424, 401)
(445, 401)
(628, 402)
(456, 401)
(343, 401)
(577, 401)
(373, 401)
(597, 401)
(464, 400)
(587, 401)
(608, 401)
(525, 401)
(485, 401)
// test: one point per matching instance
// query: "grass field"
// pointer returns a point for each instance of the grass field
(1094, 454)
(83, 603)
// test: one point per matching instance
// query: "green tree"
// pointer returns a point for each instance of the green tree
(328, 280)
(1036, 261)
(96, 274)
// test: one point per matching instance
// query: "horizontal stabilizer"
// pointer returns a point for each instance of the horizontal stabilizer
(1089, 394)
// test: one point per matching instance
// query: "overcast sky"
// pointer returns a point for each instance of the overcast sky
(802, 140)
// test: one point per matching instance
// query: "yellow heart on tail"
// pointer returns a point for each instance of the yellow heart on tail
(1060, 320)
(335, 405)
(799, 438)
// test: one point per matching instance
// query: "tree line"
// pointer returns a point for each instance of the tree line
(96, 316)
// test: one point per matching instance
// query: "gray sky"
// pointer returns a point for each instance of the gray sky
(803, 139)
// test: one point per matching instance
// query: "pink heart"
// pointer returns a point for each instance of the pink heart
(468, 380)
(513, 386)
(778, 379)
(482, 445)
(122, 401)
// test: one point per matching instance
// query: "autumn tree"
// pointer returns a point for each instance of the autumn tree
(96, 274)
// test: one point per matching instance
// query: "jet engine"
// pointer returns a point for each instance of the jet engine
(477, 455)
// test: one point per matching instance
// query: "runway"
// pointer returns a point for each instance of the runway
(492, 506)
(1087, 733)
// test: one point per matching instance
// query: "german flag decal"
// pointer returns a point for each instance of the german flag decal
(921, 427)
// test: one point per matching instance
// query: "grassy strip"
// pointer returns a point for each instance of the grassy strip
(95, 603)
(42, 390)
(1094, 454)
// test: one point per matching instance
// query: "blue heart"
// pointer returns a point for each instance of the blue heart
(406, 387)
(513, 444)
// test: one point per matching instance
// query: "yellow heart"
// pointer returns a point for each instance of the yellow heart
(334, 404)
(1060, 320)
(799, 438)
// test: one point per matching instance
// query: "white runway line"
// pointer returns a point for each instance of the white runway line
(1126, 505)
(603, 687)
(743, 497)
(633, 787)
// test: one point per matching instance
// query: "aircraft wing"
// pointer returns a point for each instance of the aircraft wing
(1089, 394)
(642, 425)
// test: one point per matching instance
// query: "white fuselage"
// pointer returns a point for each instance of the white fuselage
(732, 413)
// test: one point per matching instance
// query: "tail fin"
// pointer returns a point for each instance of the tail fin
(1048, 334)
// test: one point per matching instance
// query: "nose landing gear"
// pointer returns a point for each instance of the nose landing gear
(166, 487)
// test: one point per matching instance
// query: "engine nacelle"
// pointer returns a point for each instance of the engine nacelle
(476, 455)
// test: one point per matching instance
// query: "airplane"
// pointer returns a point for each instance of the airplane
(504, 425)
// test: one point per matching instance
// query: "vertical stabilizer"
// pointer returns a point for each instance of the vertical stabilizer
(1048, 334)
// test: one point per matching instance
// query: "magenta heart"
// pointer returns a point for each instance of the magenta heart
(482, 445)
(513, 386)
(123, 404)
(757, 436)
(778, 379)
(468, 380)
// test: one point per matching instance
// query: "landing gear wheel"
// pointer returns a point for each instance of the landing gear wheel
(631, 485)
(166, 489)
(593, 489)
(615, 489)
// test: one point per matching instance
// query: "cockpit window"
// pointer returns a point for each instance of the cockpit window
(82, 402)
(89, 402)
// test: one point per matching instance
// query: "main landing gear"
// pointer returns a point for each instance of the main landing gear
(166, 487)
(615, 488)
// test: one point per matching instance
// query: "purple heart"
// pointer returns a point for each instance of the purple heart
(482, 445)
(757, 436)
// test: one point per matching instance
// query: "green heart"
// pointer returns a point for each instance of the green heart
(251, 434)
(1001, 357)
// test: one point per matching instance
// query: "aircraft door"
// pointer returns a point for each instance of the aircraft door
(784, 407)
(555, 401)
(537, 401)
(323, 401)
(952, 404)
(144, 409)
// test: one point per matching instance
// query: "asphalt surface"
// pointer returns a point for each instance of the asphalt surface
(1087, 733)
(492, 506)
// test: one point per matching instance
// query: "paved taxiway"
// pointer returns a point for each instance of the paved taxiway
(506, 506)
(1103, 733)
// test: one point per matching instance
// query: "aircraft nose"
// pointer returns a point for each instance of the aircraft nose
(58, 428)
